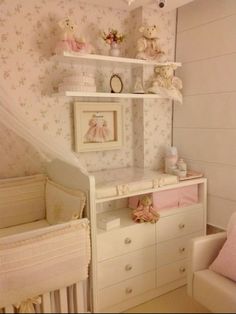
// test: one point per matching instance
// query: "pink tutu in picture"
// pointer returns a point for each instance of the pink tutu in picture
(98, 131)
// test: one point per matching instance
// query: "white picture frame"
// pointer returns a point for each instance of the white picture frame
(98, 126)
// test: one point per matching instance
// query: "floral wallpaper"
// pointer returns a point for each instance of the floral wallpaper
(28, 35)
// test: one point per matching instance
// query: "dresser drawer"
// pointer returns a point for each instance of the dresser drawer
(125, 240)
(126, 266)
(171, 272)
(126, 290)
(174, 250)
(181, 224)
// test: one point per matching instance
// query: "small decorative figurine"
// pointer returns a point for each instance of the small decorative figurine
(147, 46)
(98, 131)
(165, 83)
(69, 42)
(145, 212)
(138, 86)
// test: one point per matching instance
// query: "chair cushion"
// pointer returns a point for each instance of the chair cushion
(22, 200)
(215, 292)
(63, 204)
(225, 262)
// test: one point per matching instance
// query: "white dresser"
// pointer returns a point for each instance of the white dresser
(135, 262)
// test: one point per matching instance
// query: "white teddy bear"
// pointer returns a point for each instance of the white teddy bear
(147, 46)
(69, 42)
(165, 83)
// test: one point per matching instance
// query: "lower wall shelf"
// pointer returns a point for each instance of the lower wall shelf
(110, 95)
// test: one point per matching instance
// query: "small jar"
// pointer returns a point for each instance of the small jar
(182, 165)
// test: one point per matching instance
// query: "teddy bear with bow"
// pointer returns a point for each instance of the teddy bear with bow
(68, 41)
(166, 83)
(148, 46)
(145, 211)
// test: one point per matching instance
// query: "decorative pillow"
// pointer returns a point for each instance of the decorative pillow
(225, 262)
(63, 204)
(231, 224)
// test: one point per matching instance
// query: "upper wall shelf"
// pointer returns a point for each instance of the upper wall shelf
(110, 95)
(76, 58)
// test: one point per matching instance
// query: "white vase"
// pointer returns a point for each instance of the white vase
(114, 50)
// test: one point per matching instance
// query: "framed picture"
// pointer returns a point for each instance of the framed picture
(98, 126)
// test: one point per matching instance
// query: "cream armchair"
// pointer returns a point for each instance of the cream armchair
(215, 292)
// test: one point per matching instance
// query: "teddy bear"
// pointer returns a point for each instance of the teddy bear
(145, 212)
(164, 82)
(147, 46)
(69, 42)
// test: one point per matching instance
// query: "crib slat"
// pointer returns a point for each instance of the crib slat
(53, 302)
(79, 297)
(46, 303)
(71, 303)
(9, 309)
(63, 300)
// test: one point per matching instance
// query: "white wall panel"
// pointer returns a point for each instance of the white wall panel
(204, 11)
(213, 145)
(207, 40)
(215, 75)
(207, 111)
(219, 211)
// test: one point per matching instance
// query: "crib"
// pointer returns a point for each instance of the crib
(24, 220)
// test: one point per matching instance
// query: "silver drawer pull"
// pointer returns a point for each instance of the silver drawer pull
(128, 241)
(182, 270)
(182, 249)
(128, 267)
(181, 226)
(129, 290)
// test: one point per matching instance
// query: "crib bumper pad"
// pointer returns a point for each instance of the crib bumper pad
(35, 262)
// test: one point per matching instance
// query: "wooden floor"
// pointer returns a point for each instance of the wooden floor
(175, 301)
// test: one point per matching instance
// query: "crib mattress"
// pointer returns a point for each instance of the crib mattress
(23, 228)
(125, 181)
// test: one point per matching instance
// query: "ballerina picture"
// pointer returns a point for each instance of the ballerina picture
(98, 126)
(98, 131)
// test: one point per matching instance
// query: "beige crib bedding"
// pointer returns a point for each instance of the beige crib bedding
(23, 228)
(35, 262)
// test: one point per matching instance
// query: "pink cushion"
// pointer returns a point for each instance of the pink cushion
(225, 262)
(171, 198)
(184, 196)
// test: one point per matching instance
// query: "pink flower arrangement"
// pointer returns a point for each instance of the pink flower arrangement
(113, 37)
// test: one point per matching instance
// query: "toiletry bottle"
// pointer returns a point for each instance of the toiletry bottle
(171, 159)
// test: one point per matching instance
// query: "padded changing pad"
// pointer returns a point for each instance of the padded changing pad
(23, 228)
(125, 181)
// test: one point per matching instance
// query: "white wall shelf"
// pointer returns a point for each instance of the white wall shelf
(110, 95)
(75, 58)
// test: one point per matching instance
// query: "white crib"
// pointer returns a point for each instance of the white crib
(72, 299)
(69, 299)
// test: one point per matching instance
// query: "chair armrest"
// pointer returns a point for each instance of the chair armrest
(203, 251)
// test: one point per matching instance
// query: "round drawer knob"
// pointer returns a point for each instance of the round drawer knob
(129, 290)
(182, 249)
(182, 270)
(181, 226)
(128, 241)
(128, 267)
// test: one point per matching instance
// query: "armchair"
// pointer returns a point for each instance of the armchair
(214, 291)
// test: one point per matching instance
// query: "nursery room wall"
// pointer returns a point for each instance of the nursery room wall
(205, 126)
(28, 35)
